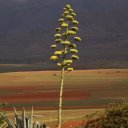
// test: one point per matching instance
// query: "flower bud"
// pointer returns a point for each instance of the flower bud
(68, 6)
(74, 57)
(75, 22)
(58, 40)
(73, 50)
(69, 17)
(73, 14)
(70, 32)
(61, 20)
(64, 25)
(66, 12)
(71, 10)
(54, 58)
(57, 35)
(70, 69)
(53, 46)
(77, 38)
(72, 46)
(66, 43)
(74, 28)
(58, 29)
(58, 64)
(58, 53)
(64, 9)
(66, 62)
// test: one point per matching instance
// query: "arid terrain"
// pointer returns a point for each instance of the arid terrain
(82, 89)
(85, 92)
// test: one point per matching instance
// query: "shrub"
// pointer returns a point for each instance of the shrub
(114, 116)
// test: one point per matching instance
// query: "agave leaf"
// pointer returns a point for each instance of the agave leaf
(18, 120)
(7, 120)
(27, 123)
(4, 125)
(31, 118)
(23, 118)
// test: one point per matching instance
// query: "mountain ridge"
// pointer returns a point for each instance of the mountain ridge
(27, 29)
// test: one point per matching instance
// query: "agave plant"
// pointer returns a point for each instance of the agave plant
(65, 49)
(21, 122)
(1, 119)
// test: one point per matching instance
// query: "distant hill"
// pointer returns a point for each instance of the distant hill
(27, 28)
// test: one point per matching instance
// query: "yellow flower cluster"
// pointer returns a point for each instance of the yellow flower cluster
(53, 58)
(74, 57)
(74, 28)
(57, 35)
(58, 52)
(70, 32)
(77, 38)
(66, 43)
(70, 69)
(53, 46)
(66, 62)
(68, 27)
(64, 25)
(75, 22)
(73, 50)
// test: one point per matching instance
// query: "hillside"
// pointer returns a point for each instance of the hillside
(27, 28)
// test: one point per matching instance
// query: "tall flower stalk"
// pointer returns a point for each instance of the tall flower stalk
(65, 49)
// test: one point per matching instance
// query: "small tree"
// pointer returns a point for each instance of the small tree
(65, 50)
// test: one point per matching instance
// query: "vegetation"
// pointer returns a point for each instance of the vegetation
(1, 119)
(115, 116)
(65, 48)
(22, 122)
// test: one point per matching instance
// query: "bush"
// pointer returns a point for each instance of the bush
(114, 116)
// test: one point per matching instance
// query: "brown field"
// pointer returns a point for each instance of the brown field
(82, 89)
(84, 92)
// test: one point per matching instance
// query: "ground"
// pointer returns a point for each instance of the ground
(83, 90)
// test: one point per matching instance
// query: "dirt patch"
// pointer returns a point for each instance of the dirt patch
(73, 124)
(35, 96)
